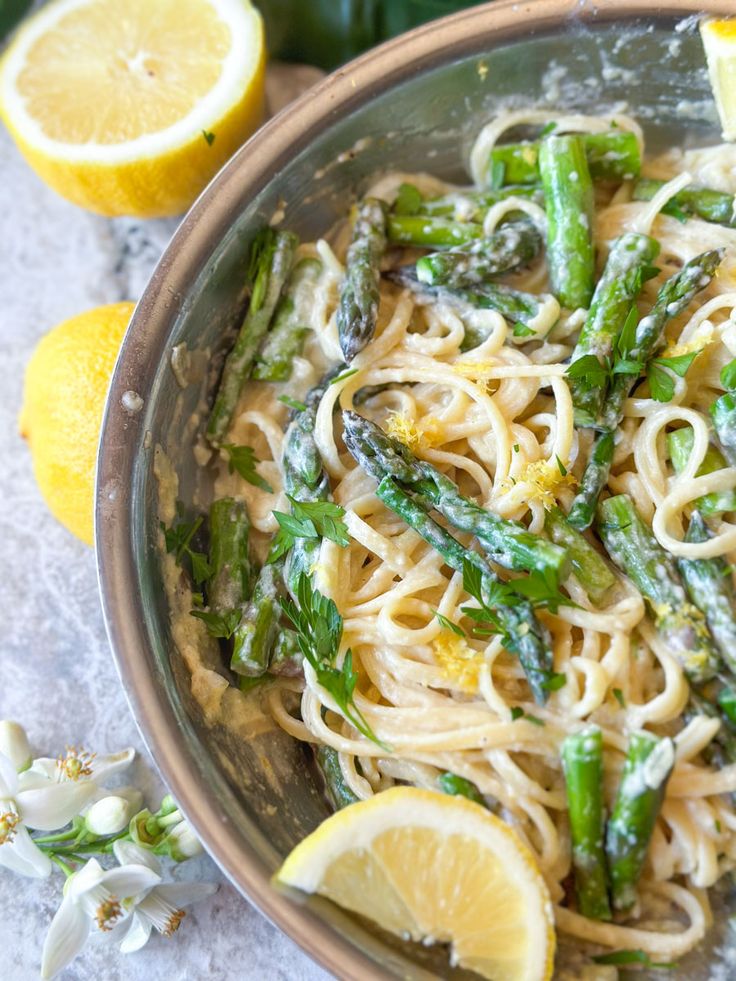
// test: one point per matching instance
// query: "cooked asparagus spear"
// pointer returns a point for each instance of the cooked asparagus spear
(473, 205)
(647, 769)
(582, 761)
(723, 414)
(672, 299)
(233, 572)
(290, 325)
(304, 479)
(594, 479)
(638, 554)
(254, 638)
(430, 232)
(451, 783)
(506, 542)
(611, 156)
(359, 295)
(270, 261)
(710, 586)
(523, 634)
(589, 567)
(680, 445)
(518, 308)
(286, 658)
(513, 244)
(338, 792)
(704, 202)
(618, 287)
(568, 196)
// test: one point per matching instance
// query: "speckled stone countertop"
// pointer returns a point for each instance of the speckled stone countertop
(56, 672)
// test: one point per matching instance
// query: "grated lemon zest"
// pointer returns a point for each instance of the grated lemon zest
(699, 342)
(457, 659)
(429, 431)
(543, 480)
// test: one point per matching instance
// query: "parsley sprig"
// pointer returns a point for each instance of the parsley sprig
(318, 625)
(178, 540)
(243, 460)
(219, 624)
(308, 519)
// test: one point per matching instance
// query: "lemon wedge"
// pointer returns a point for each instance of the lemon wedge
(435, 868)
(719, 41)
(130, 106)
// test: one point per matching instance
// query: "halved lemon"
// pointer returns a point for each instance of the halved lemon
(131, 106)
(719, 41)
(435, 868)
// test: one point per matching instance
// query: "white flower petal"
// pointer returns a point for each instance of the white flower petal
(182, 894)
(14, 744)
(21, 855)
(130, 853)
(8, 777)
(129, 881)
(53, 806)
(137, 934)
(104, 766)
(67, 934)
(44, 768)
(89, 876)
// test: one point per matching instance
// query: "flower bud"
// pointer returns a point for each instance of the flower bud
(180, 843)
(108, 816)
(14, 744)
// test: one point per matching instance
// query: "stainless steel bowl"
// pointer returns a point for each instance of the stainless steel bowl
(414, 103)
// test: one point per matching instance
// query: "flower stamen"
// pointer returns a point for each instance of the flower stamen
(75, 764)
(174, 922)
(108, 913)
(9, 822)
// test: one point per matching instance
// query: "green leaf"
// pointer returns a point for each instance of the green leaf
(496, 173)
(408, 200)
(343, 375)
(448, 624)
(619, 696)
(561, 466)
(549, 128)
(621, 957)
(516, 713)
(675, 211)
(516, 447)
(679, 364)
(543, 591)
(209, 137)
(318, 625)
(521, 330)
(201, 569)
(534, 720)
(728, 376)
(219, 624)
(555, 681)
(661, 385)
(589, 371)
(627, 338)
(325, 516)
(451, 783)
(292, 403)
(627, 366)
(473, 581)
(243, 460)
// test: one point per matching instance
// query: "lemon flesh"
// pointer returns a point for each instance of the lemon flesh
(719, 41)
(63, 401)
(131, 107)
(438, 869)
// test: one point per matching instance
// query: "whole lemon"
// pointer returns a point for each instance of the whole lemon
(65, 389)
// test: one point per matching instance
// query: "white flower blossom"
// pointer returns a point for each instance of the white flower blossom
(45, 807)
(162, 908)
(93, 897)
(109, 815)
(181, 842)
(14, 744)
(75, 766)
